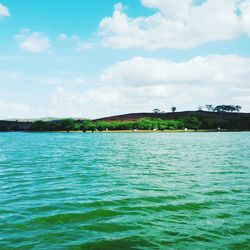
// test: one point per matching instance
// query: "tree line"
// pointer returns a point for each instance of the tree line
(209, 107)
(224, 108)
(192, 122)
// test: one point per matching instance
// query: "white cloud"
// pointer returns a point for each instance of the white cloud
(106, 101)
(171, 9)
(149, 82)
(206, 71)
(141, 84)
(177, 24)
(62, 37)
(89, 103)
(65, 37)
(119, 7)
(14, 110)
(34, 42)
(245, 17)
(4, 11)
(80, 45)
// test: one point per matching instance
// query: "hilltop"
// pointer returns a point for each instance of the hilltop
(174, 116)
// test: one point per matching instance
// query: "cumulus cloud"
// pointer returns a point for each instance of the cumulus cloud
(211, 79)
(149, 82)
(4, 11)
(141, 84)
(106, 101)
(176, 24)
(214, 69)
(34, 42)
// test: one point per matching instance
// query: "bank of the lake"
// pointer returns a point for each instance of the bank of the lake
(134, 132)
(189, 120)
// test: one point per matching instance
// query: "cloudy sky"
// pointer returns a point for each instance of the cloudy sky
(95, 58)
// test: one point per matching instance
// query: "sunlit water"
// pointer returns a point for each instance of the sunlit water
(124, 191)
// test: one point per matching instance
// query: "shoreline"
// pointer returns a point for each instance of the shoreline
(158, 131)
(132, 132)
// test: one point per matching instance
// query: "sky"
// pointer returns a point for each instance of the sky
(95, 58)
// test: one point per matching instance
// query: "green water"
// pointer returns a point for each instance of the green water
(125, 191)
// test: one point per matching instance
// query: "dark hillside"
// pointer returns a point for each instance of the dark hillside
(174, 116)
(14, 126)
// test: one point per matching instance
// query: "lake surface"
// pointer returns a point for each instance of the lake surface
(125, 191)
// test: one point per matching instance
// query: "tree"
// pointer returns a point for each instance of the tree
(227, 108)
(3, 128)
(173, 109)
(237, 108)
(144, 124)
(209, 107)
(157, 111)
(67, 124)
(192, 122)
(38, 126)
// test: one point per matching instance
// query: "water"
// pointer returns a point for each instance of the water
(124, 191)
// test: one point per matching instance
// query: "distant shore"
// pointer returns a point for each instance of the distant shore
(188, 121)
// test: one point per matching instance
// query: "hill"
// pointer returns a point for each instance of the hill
(174, 116)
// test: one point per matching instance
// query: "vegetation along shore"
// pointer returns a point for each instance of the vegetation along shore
(140, 122)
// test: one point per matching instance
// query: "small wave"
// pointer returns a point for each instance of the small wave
(76, 217)
(116, 244)
(216, 192)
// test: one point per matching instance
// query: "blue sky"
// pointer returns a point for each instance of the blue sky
(95, 58)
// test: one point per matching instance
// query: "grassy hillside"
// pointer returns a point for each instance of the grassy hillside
(175, 116)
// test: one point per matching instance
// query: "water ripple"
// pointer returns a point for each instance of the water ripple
(124, 191)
